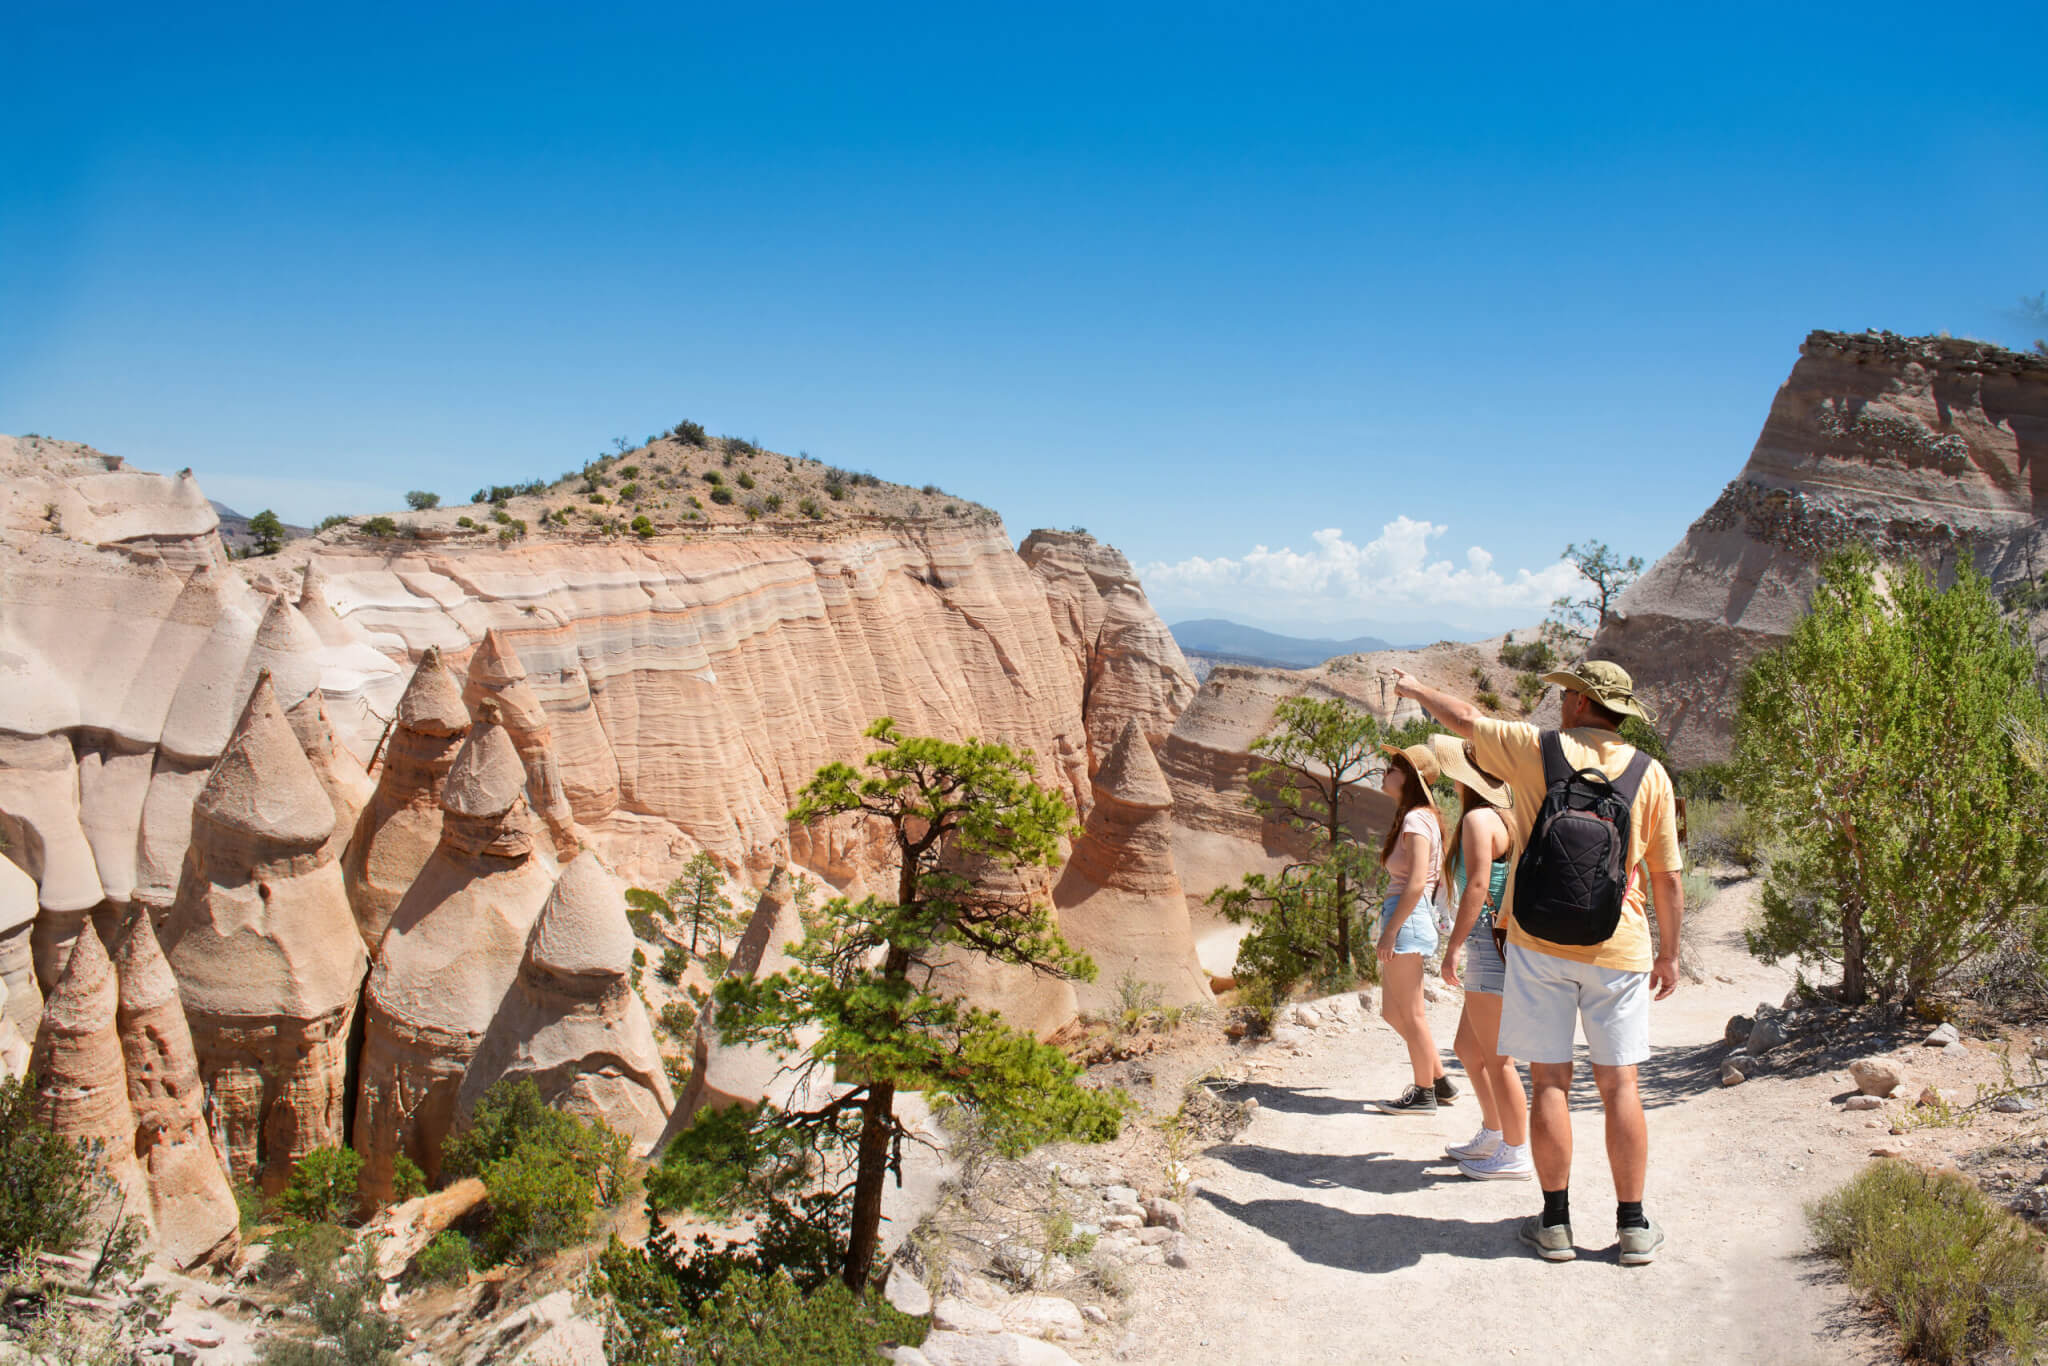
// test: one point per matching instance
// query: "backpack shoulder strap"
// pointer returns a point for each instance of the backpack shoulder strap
(1556, 768)
(1631, 779)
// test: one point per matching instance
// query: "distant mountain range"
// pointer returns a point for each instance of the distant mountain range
(1221, 639)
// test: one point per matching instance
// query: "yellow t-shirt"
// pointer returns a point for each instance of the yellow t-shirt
(1513, 751)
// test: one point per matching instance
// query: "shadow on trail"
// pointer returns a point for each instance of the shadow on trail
(1380, 1173)
(1370, 1243)
(1294, 1100)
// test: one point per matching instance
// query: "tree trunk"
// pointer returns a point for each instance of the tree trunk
(1343, 907)
(865, 1237)
(1855, 975)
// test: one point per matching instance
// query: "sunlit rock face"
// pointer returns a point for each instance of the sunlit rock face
(265, 949)
(495, 672)
(81, 1081)
(448, 958)
(572, 1023)
(1120, 899)
(1918, 446)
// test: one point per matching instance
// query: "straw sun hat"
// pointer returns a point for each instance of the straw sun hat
(1457, 762)
(1423, 760)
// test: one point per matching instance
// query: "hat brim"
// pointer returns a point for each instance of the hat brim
(1451, 758)
(1571, 682)
(1428, 783)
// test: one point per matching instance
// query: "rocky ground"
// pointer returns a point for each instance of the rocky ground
(1322, 1232)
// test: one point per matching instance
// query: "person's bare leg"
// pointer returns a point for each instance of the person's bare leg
(1628, 1135)
(1401, 1004)
(1501, 1098)
(1478, 1060)
(1550, 1124)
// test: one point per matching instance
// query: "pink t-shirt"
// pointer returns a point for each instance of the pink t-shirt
(1421, 821)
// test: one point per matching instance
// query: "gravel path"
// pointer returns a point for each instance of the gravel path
(1328, 1234)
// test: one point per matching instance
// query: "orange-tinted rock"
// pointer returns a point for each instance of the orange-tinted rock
(196, 1217)
(451, 954)
(17, 963)
(81, 1080)
(401, 825)
(265, 949)
(1120, 898)
(495, 672)
(572, 1023)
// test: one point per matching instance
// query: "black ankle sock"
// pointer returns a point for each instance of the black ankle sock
(1629, 1214)
(1557, 1208)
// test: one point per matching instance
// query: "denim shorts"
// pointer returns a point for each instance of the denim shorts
(1485, 970)
(1418, 931)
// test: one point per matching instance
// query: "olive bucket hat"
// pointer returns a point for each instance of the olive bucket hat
(1606, 683)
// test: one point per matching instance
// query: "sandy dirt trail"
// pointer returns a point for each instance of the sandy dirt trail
(1329, 1234)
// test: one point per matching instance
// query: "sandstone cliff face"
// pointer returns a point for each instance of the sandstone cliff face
(572, 1023)
(450, 955)
(265, 948)
(1128, 665)
(496, 673)
(1120, 899)
(1911, 444)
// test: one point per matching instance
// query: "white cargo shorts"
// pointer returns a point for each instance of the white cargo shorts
(1546, 999)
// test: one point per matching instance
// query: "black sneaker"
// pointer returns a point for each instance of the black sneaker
(1445, 1091)
(1416, 1100)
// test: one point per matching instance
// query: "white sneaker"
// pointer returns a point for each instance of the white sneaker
(1507, 1164)
(1485, 1143)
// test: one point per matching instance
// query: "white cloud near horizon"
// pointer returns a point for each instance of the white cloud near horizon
(1392, 575)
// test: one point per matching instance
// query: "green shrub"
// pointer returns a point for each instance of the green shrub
(348, 1329)
(746, 481)
(407, 1180)
(379, 528)
(419, 500)
(546, 1171)
(713, 478)
(1961, 1277)
(304, 1248)
(628, 492)
(773, 502)
(632, 471)
(689, 433)
(1488, 699)
(466, 522)
(323, 1188)
(736, 445)
(675, 961)
(444, 1261)
(809, 508)
(53, 1187)
(643, 528)
(331, 521)
(1529, 690)
(250, 1206)
(1720, 831)
(722, 495)
(599, 499)
(677, 1020)
(1533, 656)
(836, 491)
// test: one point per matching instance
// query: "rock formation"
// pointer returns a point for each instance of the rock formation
(400, 827)
(495, 672)
(453, 949)
(1120, 899)
(572, 1022)
(1915, 445)
(194, 1207)
(1126, 660)
(265, 949)
(24, 1005)
(81, 1081)
(723, 1073)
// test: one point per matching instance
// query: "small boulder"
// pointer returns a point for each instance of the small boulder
(1738, 1029)
(2012, 1105)
(1095, 1314)
(999, 1349)
(1769, 1033)
(1944, 1036)
(1877, 1076)
(1930, 1096)
(954, 1315)
(1863, 1102)
(1112, 1222)
(1164, 1214)
(1308, 1017)
(1731, 1075)
(1179, 1250)
(1044, 1316)
(1120, 1195)
(906, 1293)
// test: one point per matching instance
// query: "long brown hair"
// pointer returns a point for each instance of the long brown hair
(1468, 802)
(1414, 793)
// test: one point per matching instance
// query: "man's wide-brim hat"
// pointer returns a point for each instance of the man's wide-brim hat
(1460, 765)
(1606, 683)
(1423, 760)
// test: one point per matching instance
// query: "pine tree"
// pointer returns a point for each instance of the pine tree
(695, 898)
(964, 819)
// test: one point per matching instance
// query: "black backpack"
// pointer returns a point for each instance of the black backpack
(1573, 876)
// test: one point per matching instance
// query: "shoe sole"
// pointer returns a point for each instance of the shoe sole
(1457, 1156)
(1522, 1175)
(1552, 1254)
(1643, 1258)
(1386, 1109)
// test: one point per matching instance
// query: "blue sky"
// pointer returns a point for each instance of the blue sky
(1368, 287)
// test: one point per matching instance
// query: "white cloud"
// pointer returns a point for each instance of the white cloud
(1389, 576)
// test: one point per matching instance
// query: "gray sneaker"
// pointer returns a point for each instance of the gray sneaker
(1553, 1244)
(1639, 1245)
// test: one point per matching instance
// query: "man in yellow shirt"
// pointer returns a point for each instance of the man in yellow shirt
(1554, 988)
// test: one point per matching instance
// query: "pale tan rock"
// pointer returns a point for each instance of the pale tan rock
(572, 1023)
(195, 1213)
(265, 949)
(450, 956)
(1120, 899)
(1128, 663)
(81, 1081)
(404, 1230)
(495, 672)
(17, 962)
(723, 1073)
(1914, 445)
(400, 827)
